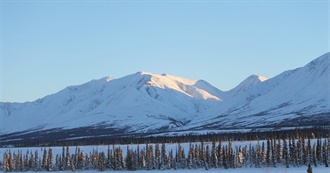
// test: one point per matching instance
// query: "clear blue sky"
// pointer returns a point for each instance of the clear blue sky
(48, 45)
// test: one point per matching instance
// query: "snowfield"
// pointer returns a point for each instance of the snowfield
(239, 170)
(175, 147)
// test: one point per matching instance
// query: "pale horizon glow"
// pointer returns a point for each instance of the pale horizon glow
(49, 45)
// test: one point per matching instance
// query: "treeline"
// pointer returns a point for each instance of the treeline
(273, 152)
(317, 132)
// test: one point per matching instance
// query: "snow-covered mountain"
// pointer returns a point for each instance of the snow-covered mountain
(292, 98)
(249, 82)
(141, 100)
(149, 103)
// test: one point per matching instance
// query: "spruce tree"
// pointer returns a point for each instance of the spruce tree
(197, 156)
(219, 154)
(207, 157)
(170, 160)
(57, 163)
(44, 160)
(26, 161)
(101, 161)
(263, 154)
(36, 161)
(273, 144)
(142, 159)
(325, 153)
(129, 159)
(6, 166)
(190, 157)
(278, 151)
(239, 157)
(314, 155)
(319, 151)
(157, 157)
(268, 153)
(163, 156)
(67, 159)
(109, 158)
(224, 157)
(50, 160)
(309, 169)
(214, 155)
(285, 153)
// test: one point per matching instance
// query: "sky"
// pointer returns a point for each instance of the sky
(49, 45)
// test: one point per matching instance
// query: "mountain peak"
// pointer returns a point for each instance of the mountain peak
(257, 77)
(144, 73)
(250, 81)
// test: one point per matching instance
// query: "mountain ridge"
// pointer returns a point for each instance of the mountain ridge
(144, 102)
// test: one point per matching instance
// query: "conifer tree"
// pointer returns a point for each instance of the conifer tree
(31, 161)
(258, 155)
(207, 157)
(138, 166)
(319, 151)
(44, 160)
(314, 155)
(285, 153)
(101, 161)
(142, 159)
(163, 156)
(325, 153)
(263, 154)
(170, 160)
(279, 152)
(190, 157)
(6, 166)
(304, 152)
(214, 154)
(219, 154)
(197, 156)
(20, 162)
(57, 163)
(26, 161)
(109, 158)
(157, 157)
(36, 161)
(129, 159)
(292, 149)
(230, 154)
(273, 144)
(63, 163)
(67, 159)
(115, 159)
(309, 151)
(268, 153)
(239, 157)
(50, 160)
(224, 157)
(309, 169)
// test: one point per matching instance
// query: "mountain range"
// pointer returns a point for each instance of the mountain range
(145, 103)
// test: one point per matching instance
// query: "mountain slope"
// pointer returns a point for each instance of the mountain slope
(145, 103)
(286, 99)
(249, 82)
(140, 100)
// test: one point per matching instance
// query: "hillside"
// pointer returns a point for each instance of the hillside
(145, 103)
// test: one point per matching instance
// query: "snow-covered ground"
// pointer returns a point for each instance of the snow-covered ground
(221, 170)
(174, 146)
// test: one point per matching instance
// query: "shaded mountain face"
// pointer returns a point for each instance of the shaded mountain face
(149, 103)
